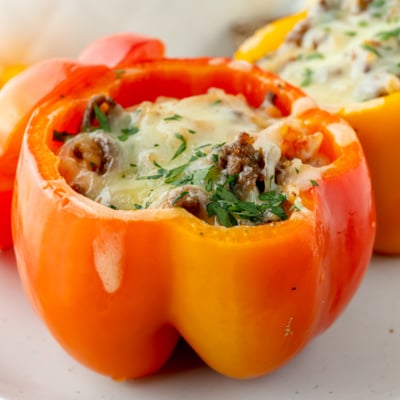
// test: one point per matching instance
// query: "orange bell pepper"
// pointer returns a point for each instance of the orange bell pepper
(376, 123)
(119, 288)
(28, 89)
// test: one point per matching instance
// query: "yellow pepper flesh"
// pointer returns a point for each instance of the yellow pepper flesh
(9, 71)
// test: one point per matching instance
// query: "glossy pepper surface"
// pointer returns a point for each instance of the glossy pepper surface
(119, 288)
(376, 123)
(54, 77)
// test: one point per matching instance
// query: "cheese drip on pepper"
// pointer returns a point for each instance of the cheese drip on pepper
(211, 154)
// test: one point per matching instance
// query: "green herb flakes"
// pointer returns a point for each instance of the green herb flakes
(179, 197)
(102, 119)
(127, 133)
(314, 56)
(371, 49)
(182, 146)
(307, 77)
(175, 117)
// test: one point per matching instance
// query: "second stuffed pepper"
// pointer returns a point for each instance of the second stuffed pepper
(345, 54)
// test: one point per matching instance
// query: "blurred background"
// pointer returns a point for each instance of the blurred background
(37, 29)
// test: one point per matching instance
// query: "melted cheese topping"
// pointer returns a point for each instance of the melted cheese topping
(346, 51)
(197, 148)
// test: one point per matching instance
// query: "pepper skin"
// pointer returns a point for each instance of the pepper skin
(376, 123)
(28, 89)
(268, 38)
(119, 288)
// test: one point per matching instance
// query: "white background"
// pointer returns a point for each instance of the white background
(35, 29)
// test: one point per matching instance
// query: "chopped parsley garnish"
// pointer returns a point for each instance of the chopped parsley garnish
(377, 6)
(228, 208)
(62, 136)
(387, 35)
(274, 201)
(216, 102)
(314, 56)
(172, 174)
(371, 49)
(182, 146)
(307, 77)
(314, 183)
(179, 175)
(199, 154)
(102, 119)
(159, 173)
(126, 133)
(215, 157)
(179, 197)
(378, 3)
(175, 117)
(202, 146)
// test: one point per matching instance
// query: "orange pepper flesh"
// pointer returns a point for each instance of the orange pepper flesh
(20, 96)
(118, 288)
(376, 123)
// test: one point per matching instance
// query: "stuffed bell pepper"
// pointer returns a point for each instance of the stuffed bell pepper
(197, 198)
(346, 55)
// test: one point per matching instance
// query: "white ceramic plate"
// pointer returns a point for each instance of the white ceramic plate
(358, 358)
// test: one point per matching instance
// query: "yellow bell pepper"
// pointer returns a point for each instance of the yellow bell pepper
(256, 46)
(7, 72)
(377, 124)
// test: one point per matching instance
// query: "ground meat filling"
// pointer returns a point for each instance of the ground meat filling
(241, 159)
(85, 157)
(228, 167)
(94, 154)
(192, 198)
